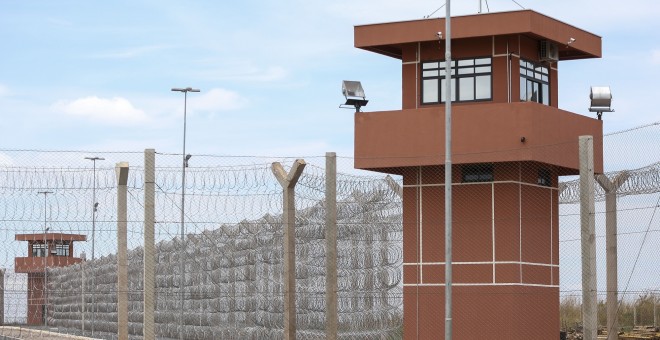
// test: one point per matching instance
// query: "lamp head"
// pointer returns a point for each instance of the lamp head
(601, 100)
(354, 94)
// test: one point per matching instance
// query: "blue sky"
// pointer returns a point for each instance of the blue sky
(92, 75)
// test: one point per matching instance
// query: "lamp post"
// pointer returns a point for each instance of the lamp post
(94, 208)
(45, 249)
(184, 165)
(448, 179)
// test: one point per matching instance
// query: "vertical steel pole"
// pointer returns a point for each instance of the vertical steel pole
(448, 179)
(94, 206)
(331, 246)
(184, 165)
(45, 285)
(45, 281)
(588, 238)
(182, 253)
(93, 251)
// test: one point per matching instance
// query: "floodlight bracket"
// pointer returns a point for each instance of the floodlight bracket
(599, 111)
(355, 103)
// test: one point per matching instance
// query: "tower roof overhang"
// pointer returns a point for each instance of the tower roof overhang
(388, 38)
(50, 237)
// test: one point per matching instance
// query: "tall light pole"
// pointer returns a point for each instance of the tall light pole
(94, 208)
(448, 179)
(184, 165)
(45, 288)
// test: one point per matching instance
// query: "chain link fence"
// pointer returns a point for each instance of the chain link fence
(219, 260)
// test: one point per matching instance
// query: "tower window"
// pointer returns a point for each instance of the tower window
(544, 178)
(470, 81)
(39, 250)
(477, 173)
(62, 249)
(534, 83)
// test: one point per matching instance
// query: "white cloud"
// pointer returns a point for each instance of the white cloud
(4, 91)
(131, 52)
(113, 111)
(248, 73)
(59, 22)
(217, 100)
(655, 56)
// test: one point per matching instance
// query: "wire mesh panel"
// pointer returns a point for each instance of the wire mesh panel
(218, 249)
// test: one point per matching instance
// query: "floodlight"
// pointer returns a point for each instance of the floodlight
(601, 100)
(187, 89)
(354, 94)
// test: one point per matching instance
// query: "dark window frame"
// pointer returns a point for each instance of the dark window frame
(62, 249)
(456, 76)
(477, 173)
(535, 74)
(544, 178)
(39, 250)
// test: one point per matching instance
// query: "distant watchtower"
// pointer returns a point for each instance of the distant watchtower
(510, 144)
(45, 250)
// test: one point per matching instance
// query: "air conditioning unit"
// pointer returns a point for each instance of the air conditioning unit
(548, 51)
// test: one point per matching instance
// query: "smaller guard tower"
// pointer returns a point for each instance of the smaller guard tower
(45, 250)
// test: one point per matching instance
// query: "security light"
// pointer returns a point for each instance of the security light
(354, 94)
(187, 159)
(601, 100)
(187, 89)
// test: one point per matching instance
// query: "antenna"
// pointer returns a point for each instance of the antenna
(481, 7)
(439, 8)
(516, 2)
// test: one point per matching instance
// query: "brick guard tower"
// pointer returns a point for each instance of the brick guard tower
(511, 142)
(47, 250)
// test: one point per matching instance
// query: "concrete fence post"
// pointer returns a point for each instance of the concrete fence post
(288, 183)
(149, 243)
(611, 188)
(331, 320)
(588, 238)
(121, 170)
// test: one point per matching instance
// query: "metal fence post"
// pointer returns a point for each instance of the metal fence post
(588, 238)
(288, 182)
(121, 170)
(149, 243)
